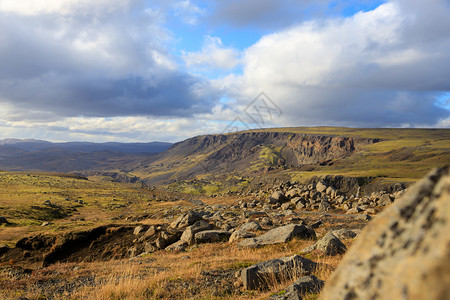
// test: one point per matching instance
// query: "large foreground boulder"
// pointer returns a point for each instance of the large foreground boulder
(404, 253)
(280, 235)
(267, 273)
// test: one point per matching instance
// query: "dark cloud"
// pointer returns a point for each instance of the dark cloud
(274, 14)
(112, 64)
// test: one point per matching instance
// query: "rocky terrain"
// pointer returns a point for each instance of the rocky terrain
(318, 220)
(263, 214)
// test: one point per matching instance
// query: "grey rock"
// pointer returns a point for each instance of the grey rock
(280, 235)
(138, 230)
(251, 226)
(292, 193)
(344, 234)
(260, 275)
(296, 200)
(177, 246)
(303, 285)
(404, 252)
(240, 234)
(186, 220)
(277, 197)
(385, 199)
(287, 206)
(328, 245)
(212, 236)
(189, 233)
(363, 217)
(321, 187)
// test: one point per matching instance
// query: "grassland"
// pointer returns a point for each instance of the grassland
(205, 271)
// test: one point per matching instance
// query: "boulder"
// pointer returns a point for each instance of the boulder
(328, 245)
(404, 252)
(186, 220)
(177, 246)
(344, 234)
(303, 285)
(280, 235)
(277, 197)
(292, 193)
(240, 234)
(259, 276)
(251, 226)
(321, 187)
(212, 236)
(189, 233)
(385, 199)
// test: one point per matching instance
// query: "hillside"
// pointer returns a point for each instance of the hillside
(302, 153)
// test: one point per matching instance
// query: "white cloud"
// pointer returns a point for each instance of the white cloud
(188, 11)
(212, 56)
(358, 71)
(62, 7)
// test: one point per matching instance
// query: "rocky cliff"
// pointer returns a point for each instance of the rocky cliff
(249, 151)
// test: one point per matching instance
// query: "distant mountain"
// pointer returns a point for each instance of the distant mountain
(130, 148)
(37, 155)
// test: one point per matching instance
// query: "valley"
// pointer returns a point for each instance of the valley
(250, 215)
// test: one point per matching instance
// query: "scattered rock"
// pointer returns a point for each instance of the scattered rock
(277, 197)
(303, 285)
(328, 245)
(177, 246)
(186, 220)
(280, 235)
(251, 226)
(189, 234)
(138, 230)
(240, 234)
(260, 275)
(344, 234)
(212, 236)
(321, 187)
(404, 253)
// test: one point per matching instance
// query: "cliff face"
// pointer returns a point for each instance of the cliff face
(241, 151)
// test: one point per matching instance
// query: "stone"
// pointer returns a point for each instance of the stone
(292, 193)
(277, 197)
(324, 206)
(212, 236)
(344, 234)
(260, 275)
(138, 230)
(251, 226)
(296, 200)
(287, 206)
(280, 235)
(385, 199)
(354, 210)
(177, 246)
(3, 249)
(186, 220)
(328, 245)
(303, 285)
(321, 187)
(404, 252)
(240, 234)
(189, 233)
(3, 220)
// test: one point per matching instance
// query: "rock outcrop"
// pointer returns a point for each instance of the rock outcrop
(303, 285)
(405, 252)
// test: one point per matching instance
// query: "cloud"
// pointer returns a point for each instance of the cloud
(212, 56)
(371, 69)
(71, 60)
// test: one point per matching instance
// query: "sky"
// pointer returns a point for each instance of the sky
(166, 70)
